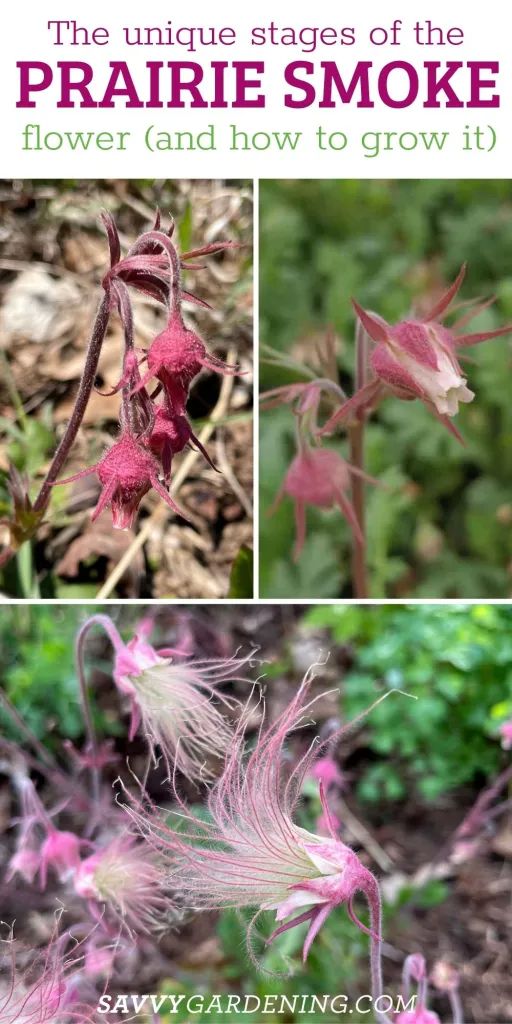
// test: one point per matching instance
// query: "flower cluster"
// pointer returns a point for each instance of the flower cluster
(151, 433)
(416, 358)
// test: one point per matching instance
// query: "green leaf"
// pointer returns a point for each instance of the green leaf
(241, 579)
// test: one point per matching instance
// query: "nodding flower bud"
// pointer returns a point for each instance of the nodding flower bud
(506, 735)
(444, 976)
(127, 472)
(319, 477)
(176, 356)
(124, 882)
(170, 434)
(417, 358)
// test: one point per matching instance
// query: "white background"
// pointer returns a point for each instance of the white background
(25, 37)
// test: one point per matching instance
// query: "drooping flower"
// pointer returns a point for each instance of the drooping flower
(127, 472)
(319, 477)
(173, 700)
(170, 433)
(56, 850)
(176, 356)
(124, 883)
(417, 358)
(251, 853)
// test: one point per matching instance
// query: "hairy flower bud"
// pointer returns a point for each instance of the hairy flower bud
(176, 356)
(170, 434)
(127, 472)
(319, 477)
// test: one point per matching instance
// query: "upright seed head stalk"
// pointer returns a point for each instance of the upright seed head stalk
(84, 393)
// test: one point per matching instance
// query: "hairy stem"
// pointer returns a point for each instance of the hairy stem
(86, 706)
(356, 438)
(374, 903)
(84, 393)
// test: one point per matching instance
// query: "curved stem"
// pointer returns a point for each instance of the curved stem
(85, 702)
(84, 393)
(373, 897)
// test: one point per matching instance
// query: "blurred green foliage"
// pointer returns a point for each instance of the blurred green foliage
(38, 673)
(456, 661)
(442, 526)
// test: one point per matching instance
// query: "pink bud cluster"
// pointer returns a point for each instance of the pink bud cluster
(151, 433)
(416, 358)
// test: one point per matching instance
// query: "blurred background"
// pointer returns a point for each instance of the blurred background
(407, 777)
(443, 526)
(53, 255)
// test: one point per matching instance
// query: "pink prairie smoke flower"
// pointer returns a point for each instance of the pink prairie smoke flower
(252, 853)
(173, 701)
(319, 477)
(170, 434)
(506, 735)
(59, 851)
(175, 357)
(418, 359)
(126, 472)
(124, 882)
